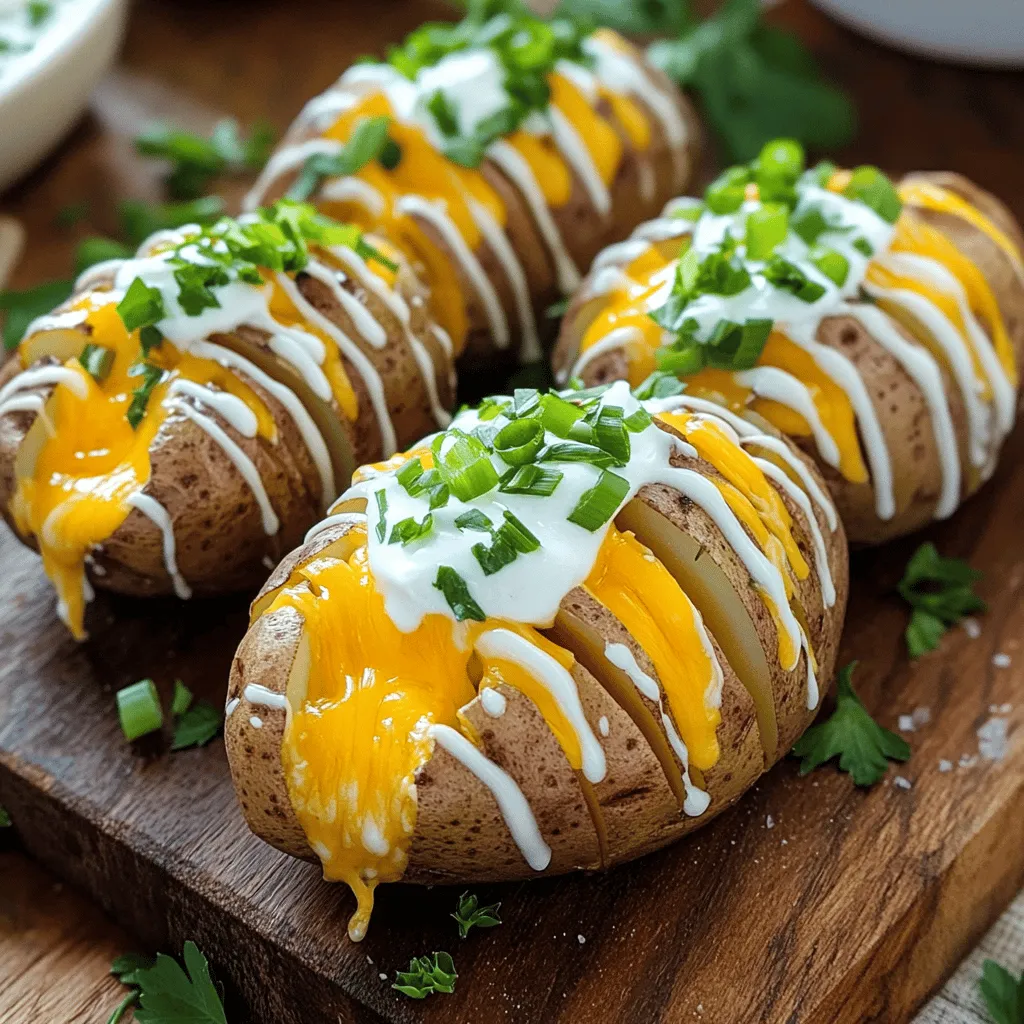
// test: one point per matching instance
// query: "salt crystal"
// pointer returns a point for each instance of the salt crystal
(992, 739)
(769, 822)
(1001, 660)
(972, 627)
(901, 782)
(945, 766)
(382, 976)
(906, 723)
(1005, 709)
(921, 716)
(581, 939)
(968, 761)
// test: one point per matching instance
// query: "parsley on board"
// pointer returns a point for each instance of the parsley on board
(5, 818)
(196, 726)
(863, 746)
(98, 250)
(940, 592)
(139, 220)
(753, 81)
(195, 161)
(164, 994)
(470, 914)
(1003, 993)
(426, 975)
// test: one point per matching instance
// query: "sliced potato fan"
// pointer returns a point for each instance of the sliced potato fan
(880, 325)
(569, 630)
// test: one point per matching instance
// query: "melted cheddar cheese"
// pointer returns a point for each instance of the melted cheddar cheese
(74, 491)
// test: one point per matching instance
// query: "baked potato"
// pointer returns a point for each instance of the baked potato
(502, 154)
(560, 634)
(187, 415)
(880, 326)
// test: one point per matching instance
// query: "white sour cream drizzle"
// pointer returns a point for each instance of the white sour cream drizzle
(254, 693)
(11, 399)
(492, 701)
(158, 515)
(988, 420)
(514, 807)
(619, 655)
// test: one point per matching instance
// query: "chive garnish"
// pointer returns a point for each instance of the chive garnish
(382, 508)
(457, 594)
(138, 708)
(597, 505)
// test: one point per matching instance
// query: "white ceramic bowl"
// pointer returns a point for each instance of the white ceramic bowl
(985, 32)
(44, 92)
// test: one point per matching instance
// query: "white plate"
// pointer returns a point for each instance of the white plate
(44, 92)
(987, 32)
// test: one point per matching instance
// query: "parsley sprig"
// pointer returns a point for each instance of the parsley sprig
(1003, 993)
(164, 994)
(864, 748)
(940, 592)
(469, 914)
(427, 975)
(195, 160)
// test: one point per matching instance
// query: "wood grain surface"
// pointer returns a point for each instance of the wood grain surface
(851, 907)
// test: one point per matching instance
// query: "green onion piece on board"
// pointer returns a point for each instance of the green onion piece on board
(182, 698)
(138, 707)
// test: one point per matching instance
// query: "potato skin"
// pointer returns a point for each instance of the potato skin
(220, 540)
(899, 404)
(460, 834)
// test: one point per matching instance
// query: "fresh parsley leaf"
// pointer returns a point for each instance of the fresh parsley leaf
(426, 975)
(22, 307)
(470, 914)
(98, 250)
(126, 968)
(197, 726)
(196, 160)
(5, 818)
(167, 995)
(863, 746)
(1003, 993)
(754, 82)
(941, 593)
(368, 141)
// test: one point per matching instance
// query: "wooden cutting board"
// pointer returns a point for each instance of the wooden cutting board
(809, 903)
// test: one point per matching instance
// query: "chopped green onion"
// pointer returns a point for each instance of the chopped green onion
(558, 415)
(690, 209)
(660, 384)
(789, 277)
(781, 158)
(519, 441)
(457, 594)
(532, 479)
(525, 401)
(140, 306)
(637, 421)
(408, 530)
(367, 142)
(515, 531)
(494, 557)
(474, 519)
(443, 113)
(182, 698)
(727, 192)
(581, 430)
(810, 224)
(868, 185)
(863, 246)
(576, 451)
(821, 173)
(681, 361)
(834, 265)
(464, 464)
(391, 155)
(382, 508)
(409, 474)
(138, 707)
(610, 433)
(597, 505)
(151, 376)
(97, 360)
(737, 346)
(767, 227)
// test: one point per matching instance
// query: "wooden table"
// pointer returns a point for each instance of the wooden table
(192, 61)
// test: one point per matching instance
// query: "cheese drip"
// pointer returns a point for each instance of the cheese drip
(83, 461)
(801, 386)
